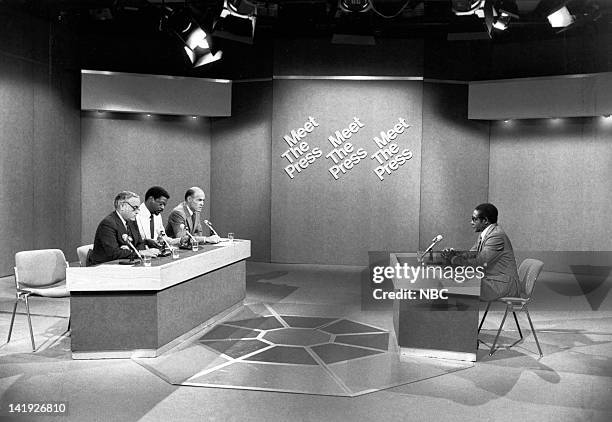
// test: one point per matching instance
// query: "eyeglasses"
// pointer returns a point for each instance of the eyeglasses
(134, 208)
(476, 218)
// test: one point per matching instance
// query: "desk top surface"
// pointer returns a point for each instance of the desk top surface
(164, 272)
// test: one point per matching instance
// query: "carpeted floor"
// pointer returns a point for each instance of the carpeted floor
(572, 382)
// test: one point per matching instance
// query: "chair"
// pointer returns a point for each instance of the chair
(38, 273)
(82, 253)
(528, 271)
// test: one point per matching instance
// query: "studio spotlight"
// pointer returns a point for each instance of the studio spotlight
(466, 7)
(503, 19)
(358, 6)
(572, 15)
(237, 21)
(561, 18)
(197, 42)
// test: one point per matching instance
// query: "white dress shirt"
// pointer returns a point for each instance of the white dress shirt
(143, 219)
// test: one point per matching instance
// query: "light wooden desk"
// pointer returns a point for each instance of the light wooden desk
(118, 311)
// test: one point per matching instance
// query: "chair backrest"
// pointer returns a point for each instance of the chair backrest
(82, 252)
(528, 271)
(40, 268)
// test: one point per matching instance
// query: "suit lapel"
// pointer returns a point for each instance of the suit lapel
(120, 227)
(187, 218)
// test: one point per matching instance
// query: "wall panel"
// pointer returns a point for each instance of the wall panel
(551, 181)
(455, 163)
(317, 219)
(240, 159)
(135, 153)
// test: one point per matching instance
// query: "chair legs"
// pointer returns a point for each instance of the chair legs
(30, 323)
(12, 320)
(501, 326)
(517, 325)
(484, 316)
(27, 305)
(533, 331)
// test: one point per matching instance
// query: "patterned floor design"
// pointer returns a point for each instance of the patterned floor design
(294, 348)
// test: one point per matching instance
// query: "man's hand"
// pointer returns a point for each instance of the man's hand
(448, 253)
(213, 239)
(152, 243)
(150, 252)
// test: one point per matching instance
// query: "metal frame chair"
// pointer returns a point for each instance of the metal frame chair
(38, 273)
(528, 271)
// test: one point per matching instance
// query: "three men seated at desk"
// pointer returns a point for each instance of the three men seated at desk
(119, 233)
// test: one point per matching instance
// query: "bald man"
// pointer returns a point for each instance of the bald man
(187, 213)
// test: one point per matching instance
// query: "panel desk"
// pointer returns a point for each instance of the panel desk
(436, 327)
(120, 311)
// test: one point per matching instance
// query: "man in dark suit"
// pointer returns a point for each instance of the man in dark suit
(186, 217)
(492, 251)
(116, 229)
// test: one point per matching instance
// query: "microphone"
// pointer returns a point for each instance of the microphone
(162, 234)
(210, 227)
(182, 226)
(127, 239)
(434, 241)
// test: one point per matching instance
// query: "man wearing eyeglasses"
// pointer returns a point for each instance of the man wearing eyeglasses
(114, 231)
(492, 251)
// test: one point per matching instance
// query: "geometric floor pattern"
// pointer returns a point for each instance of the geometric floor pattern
(294, 348)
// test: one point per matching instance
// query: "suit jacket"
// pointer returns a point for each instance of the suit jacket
(109, 239)
(496, 256)
(180, 215)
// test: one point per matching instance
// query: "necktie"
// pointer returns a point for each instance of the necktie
(193, 222)
(479, 244)
(152, 227)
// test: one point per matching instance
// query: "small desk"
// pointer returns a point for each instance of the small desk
(442, 328)
(120, 311)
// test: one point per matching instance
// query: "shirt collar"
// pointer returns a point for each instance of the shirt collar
(188, 209)
(144, 211)
(487, 230)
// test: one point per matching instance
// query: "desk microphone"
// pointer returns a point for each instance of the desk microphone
(127, 239)
(162, 234)
(434, 241)
(182, 226)
(210, 227)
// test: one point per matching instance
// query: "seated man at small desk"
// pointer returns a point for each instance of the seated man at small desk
(492, 251)
(117, 230)
(185, 217)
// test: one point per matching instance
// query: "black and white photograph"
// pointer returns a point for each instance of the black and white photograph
(306, 210)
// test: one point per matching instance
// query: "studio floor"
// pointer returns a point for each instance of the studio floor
(572, 382)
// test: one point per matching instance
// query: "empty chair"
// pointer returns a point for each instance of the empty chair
(83, 253)
(38, 273)
(528, 271)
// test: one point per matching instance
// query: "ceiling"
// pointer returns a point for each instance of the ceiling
(418, 18)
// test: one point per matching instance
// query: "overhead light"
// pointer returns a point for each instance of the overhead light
(572, 15)
(467, 7)
(237, 21)
(503, 19)
(197, 42)
(561, 18)
(357, 6)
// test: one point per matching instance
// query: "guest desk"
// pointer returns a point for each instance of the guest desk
(118, 311)
(442, 328)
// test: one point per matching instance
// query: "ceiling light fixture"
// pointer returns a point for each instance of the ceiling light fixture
(197, 41)
(237, 21)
